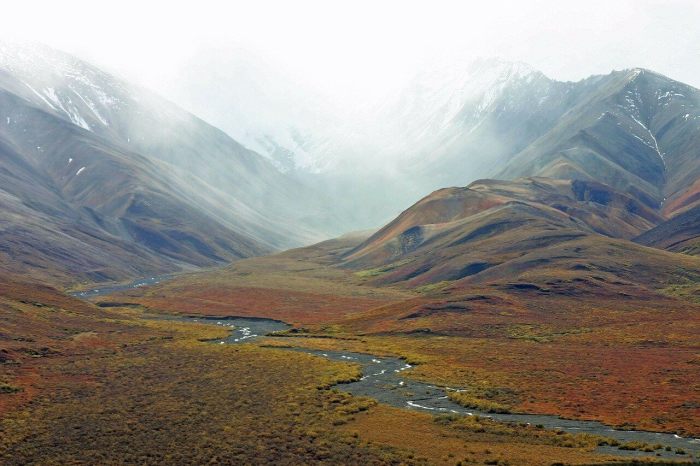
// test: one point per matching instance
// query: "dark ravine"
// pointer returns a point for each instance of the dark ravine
(382, 380)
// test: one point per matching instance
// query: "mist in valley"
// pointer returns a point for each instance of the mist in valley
(362, 120)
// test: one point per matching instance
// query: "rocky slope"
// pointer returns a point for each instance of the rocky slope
(635, 130)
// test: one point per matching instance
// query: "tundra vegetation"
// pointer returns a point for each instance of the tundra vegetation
(107, 386)
(630, 361)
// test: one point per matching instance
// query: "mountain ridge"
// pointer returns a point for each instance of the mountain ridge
(134, 171)
(488, 118)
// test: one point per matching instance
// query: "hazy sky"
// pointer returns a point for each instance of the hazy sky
(369, 46)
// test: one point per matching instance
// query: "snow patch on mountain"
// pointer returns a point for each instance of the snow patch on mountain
(438, 97)
(81, 93)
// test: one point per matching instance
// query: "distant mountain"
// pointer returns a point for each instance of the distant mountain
(120, 182)
(634, 130)
(584, 167)
(304, 133)
(104, 180)
(582, 170)
(452, 122)
(259, 105)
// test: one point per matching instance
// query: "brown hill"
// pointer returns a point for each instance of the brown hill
(465, 232)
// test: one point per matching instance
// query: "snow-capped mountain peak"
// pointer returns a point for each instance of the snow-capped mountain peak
(62, 84)
(439, 94)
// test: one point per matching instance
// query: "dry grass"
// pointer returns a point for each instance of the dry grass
(469, 440)
(110, 388)
(571, 344)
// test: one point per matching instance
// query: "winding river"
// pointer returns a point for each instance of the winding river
(382, 379)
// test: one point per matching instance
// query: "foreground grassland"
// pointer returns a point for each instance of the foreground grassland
(574, 346)
(473, 440)
(96, 387)
(183, 404)
(150, 392)
(86, 386)
(577, 380)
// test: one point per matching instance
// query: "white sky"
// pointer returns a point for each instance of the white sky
(368, 46)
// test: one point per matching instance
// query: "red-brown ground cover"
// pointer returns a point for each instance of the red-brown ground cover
(297, 307)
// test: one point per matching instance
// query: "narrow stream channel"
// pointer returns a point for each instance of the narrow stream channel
(383, 380)
(109, 289)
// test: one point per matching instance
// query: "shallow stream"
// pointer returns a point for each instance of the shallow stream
(383, 380)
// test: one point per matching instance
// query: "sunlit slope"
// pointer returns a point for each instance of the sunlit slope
(494, 230)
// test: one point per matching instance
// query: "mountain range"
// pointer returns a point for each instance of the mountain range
(104, 180)
(619, 161)
(528, 246)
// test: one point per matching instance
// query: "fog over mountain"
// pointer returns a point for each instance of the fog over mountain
(451, 123)
(244, 147)
(293, 166)
(111, 180)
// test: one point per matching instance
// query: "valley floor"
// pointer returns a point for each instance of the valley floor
(144, 391)
(113, 388)
(631, 363)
